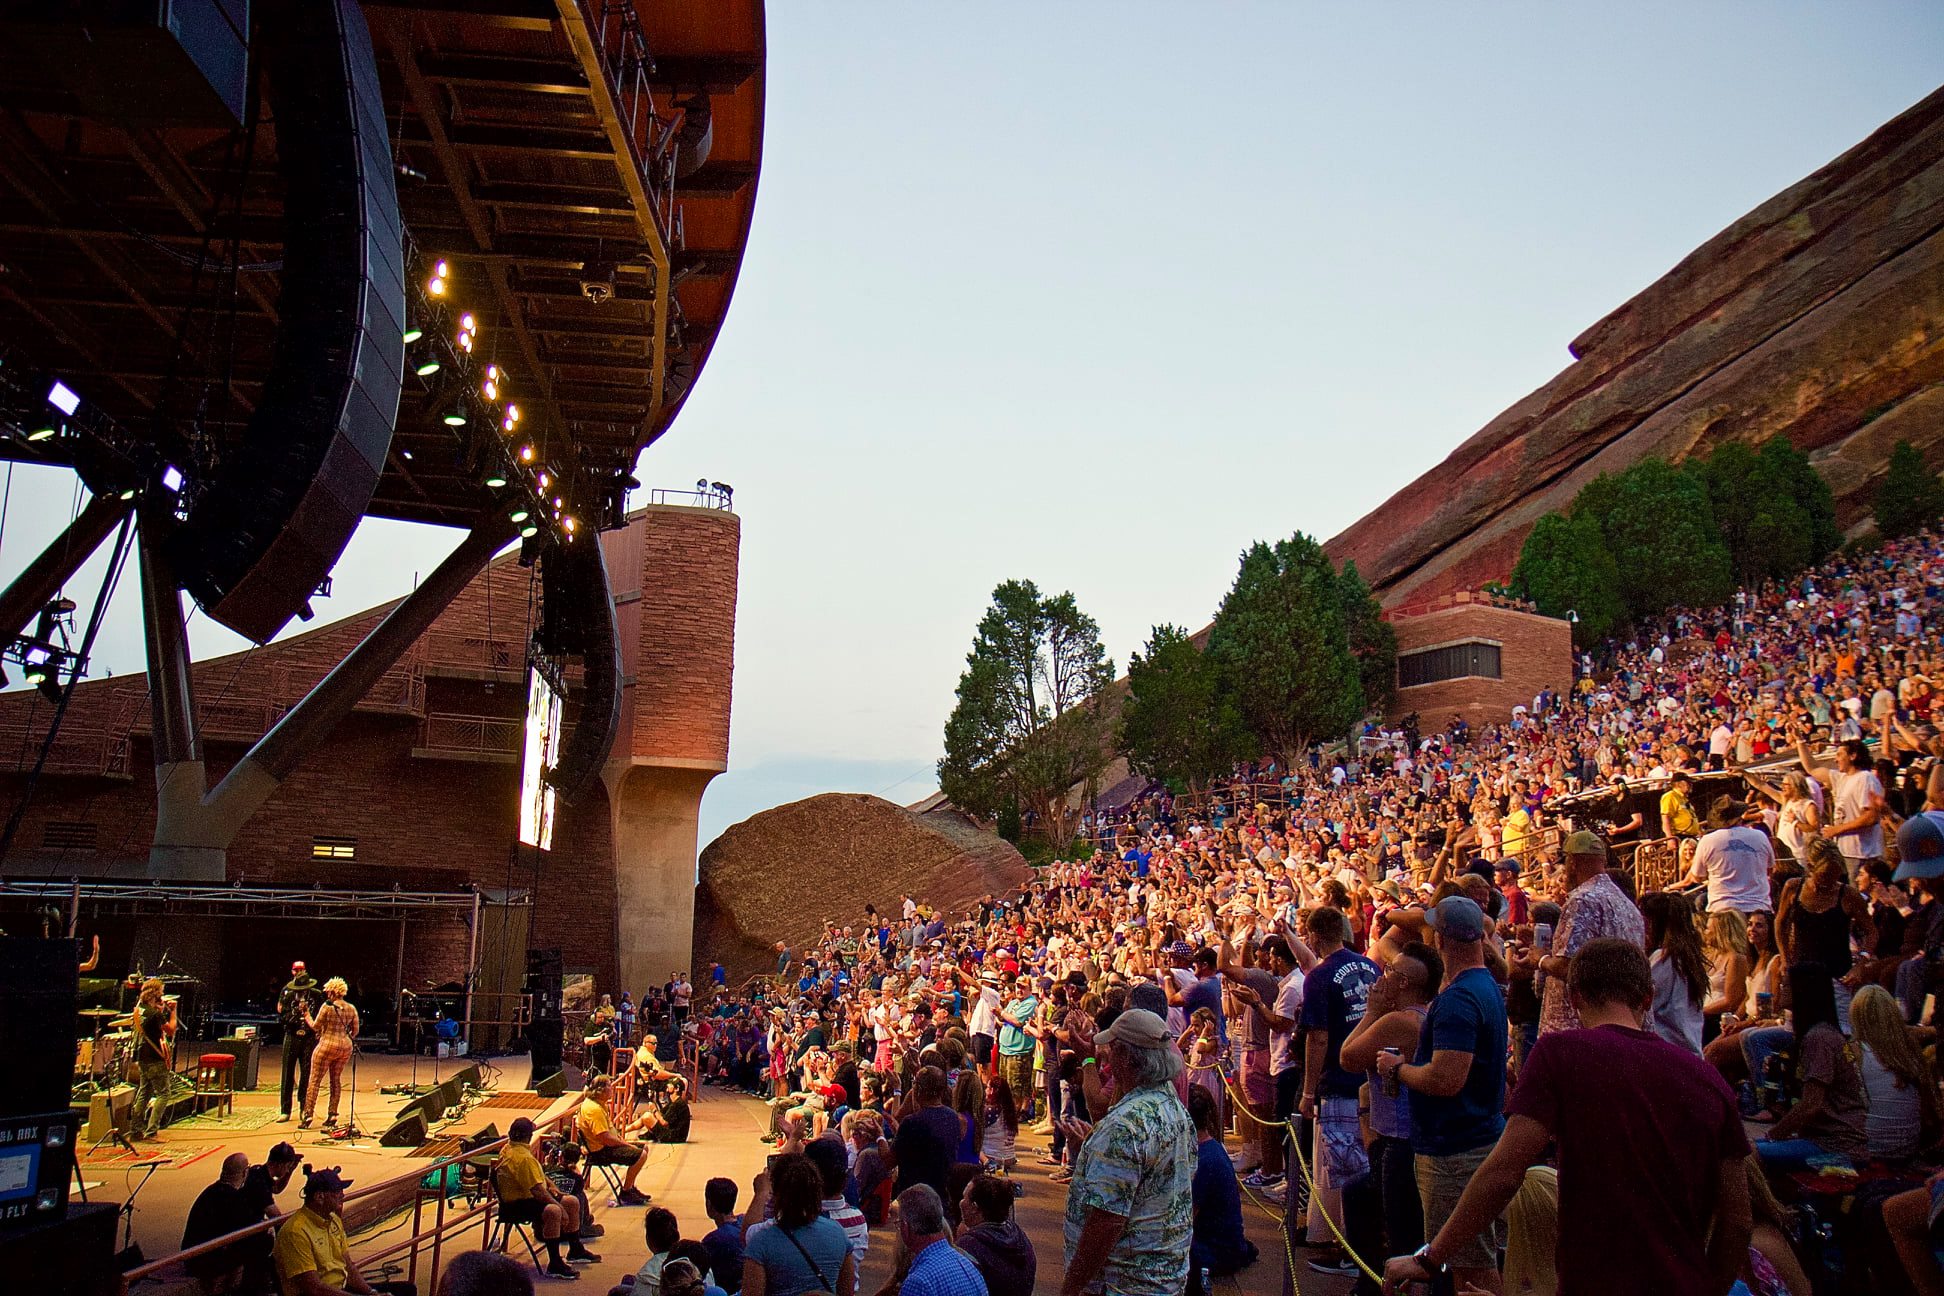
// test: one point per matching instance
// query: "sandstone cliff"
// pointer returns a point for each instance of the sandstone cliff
(1819, 315)
(778, 875)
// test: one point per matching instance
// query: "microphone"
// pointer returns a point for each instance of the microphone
(143, 1165)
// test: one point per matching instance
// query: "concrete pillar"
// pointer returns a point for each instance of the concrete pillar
(655, 813)
(674, 577)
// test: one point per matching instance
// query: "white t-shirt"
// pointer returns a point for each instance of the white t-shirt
(1677, 1018)
(1737, 862)
(1289, 1003)
(1854, 792)
(984, 1019)
(1718, 740)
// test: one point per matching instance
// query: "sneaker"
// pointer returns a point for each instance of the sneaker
(561, 1270)
(583, 1256)
(1339, 1264)
(1062, 1175)
(592, 1229)
(632, 1197)
(281, 1119)
(1260, 1180)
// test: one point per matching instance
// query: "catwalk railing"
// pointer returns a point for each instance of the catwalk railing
(471, 735)
(426, 1243)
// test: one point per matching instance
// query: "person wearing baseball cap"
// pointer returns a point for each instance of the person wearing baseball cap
(1456, 1081)
(1129, 1220)
(312, 1242)
(1595, 907)
(1505, 876)
(295, 1003)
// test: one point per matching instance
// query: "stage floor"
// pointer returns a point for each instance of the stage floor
(725, 1139)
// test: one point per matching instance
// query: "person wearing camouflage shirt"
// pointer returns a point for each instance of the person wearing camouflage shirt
(1129, 1217)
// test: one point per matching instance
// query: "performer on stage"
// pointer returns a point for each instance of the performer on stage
(336, 1024)
(154, 1021)
(294, 1005)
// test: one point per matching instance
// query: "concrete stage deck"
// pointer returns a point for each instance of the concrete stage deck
(724, 1140)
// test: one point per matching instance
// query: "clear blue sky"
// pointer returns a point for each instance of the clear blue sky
(1098, 294)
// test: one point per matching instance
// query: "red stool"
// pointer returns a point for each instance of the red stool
(216, 1078)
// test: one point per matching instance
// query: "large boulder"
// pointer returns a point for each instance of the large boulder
(1819, 316)
(777, 875)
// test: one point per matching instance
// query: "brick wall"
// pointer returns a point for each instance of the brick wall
(420, 822)
(1535, 652)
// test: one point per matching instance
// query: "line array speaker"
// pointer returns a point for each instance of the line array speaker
(268, 527)
(579, 608)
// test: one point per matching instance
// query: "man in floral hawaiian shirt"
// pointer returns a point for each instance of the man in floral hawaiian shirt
(1595, 908)
(1129, 1218)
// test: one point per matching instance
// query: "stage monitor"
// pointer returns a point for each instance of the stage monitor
(542, 748)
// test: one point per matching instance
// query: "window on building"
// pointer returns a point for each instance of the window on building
(68, 834)
(1452, 661)
(340, 848)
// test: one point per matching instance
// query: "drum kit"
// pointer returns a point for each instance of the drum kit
(103, 1058)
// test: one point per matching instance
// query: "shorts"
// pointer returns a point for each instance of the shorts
(1339, 1134)
(1258, 1086)
(614, 1156)
(1441, 1182)
(528, 1210)
(982, 1049)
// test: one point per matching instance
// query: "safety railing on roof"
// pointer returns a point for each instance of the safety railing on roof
(622, 48)
(424, 1243)
(477, 735)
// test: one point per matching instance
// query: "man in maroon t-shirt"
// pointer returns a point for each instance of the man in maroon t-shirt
(1651, 1150)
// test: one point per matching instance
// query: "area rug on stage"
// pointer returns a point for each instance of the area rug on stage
(438, 1149)
(517, 1100)
(238, 1120)
(174, 1156)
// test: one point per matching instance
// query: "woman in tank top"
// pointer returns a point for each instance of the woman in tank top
(1817, 915)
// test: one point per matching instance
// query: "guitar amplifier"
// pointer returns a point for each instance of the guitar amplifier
(36, 1166)
(247, 1052)
(111, 1109)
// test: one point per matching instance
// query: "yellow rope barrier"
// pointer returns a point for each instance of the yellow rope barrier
(1302, 1164)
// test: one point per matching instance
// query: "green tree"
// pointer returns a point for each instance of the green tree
(1567, 571)
(1911, 497)
(1175, 726)
(1774, 511)
(1664, 543)
(1281, 651)
(1030, 722)
(1811, 494)
(1372, 640)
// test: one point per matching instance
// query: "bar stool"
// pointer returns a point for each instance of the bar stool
(216, 1078)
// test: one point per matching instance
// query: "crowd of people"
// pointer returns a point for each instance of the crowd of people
(1620, 992)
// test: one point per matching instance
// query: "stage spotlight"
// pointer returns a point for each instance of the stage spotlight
(456, 416)
(62, 398)
(436, 285)
(427, 367)
(50, 687)
(412, 335)
(128, 494)
(519, 515)
(526, 454)
(171, 477)
(44, 433)
(495, 479)
(529, 530)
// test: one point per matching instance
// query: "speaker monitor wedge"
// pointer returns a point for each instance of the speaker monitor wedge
(552, 1087)
(406, 1131)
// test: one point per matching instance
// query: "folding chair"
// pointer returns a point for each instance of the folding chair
(608, 1173)
(500, 1234)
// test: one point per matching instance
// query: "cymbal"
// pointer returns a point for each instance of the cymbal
(100, 1012)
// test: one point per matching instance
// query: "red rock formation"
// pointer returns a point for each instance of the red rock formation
(777, 875)
(1819, 315)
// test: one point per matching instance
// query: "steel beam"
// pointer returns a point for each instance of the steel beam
(42, 578)
(172, 697)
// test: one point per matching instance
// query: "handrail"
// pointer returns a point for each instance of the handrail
(707, 499)
(414, 1179)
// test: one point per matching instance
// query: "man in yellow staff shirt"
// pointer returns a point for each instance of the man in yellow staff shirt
(312, 1256)
(605, 1147)
(525, 1197)
(1677, 815)
(1515, 827)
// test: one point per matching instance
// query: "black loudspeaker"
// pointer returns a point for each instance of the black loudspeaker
(545, 1035)
(569, 1079)
(37, 1024)
(430, 1104)
(407, 1131)
(451, 1093)
(470, 1076)
(544, 983)
(248, 1054)
(480, 1139)
(266, 529)
(579, 617)
(74, 1255)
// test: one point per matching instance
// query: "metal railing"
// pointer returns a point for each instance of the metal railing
(421, 1239)
(477, 735)
(471, 652)
(707, 499)
(622, 49)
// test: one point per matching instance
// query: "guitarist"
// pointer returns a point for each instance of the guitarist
(294, 1004)
(154, 1020)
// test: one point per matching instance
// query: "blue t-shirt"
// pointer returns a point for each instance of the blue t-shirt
(1468, 1017)
(725, 1247)
(1218, 1208)
(1335, 994)
(786, 1272)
